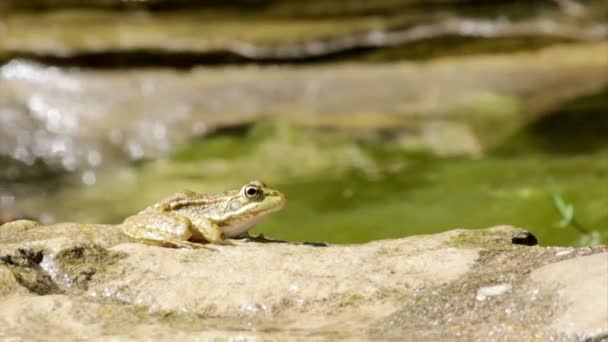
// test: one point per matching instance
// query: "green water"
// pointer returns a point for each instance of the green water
(510, 185)
(345, 188)
(425, 194)
(435, 196)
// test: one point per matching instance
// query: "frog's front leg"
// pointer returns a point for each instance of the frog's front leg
(204, 229)
(160, 229)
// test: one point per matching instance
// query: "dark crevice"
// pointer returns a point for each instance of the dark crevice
(577, 127)
(525, 239)
(288, 9)
(421, 50)
(25, 266)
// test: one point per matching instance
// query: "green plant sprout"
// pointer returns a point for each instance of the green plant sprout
(568, 218)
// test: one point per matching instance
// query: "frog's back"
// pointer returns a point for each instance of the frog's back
(169, 201)
(187, 201)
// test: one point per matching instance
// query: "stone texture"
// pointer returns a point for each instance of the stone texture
(582, 285)
(90, 281)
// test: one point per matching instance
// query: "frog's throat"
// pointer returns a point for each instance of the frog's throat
(238, 226)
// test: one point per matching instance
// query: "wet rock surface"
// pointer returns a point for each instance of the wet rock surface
(449, 107)
(90, 281)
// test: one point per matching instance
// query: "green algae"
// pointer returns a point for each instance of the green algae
(350, 298)
(73, 267)
(25, 266)
(80, 263)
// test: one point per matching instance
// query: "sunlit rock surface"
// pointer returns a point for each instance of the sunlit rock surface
(90, 281)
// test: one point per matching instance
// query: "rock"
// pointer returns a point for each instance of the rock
(4, 218)
(582, 285)
(459, 106)
(90, 281)
(492, 291)
(283, 31)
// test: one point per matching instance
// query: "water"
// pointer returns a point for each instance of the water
(345, 190)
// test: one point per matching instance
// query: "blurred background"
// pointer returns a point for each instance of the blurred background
(377, 118)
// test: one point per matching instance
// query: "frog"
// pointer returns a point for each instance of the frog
(190, 220)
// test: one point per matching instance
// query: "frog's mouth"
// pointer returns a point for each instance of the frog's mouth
(278, 203)
(238, 225)
(275, 206)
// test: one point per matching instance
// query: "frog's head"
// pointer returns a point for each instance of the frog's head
(248, 206)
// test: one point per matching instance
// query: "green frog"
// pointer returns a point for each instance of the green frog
(186, 219)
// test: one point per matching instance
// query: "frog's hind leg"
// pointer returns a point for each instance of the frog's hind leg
(172, 243)
(160, 229)
(206, 230)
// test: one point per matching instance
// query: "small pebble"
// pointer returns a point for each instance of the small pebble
(564, 252)
(491, 291)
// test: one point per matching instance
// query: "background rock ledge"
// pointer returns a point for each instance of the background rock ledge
(89, 281)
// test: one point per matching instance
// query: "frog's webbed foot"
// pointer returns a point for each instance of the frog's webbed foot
(236, 242)
(189, 245)
(174, 243)
(245, 238)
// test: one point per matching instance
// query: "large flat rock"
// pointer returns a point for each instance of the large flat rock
(90, 281)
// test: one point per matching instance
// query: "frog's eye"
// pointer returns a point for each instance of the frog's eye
(252, 192)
